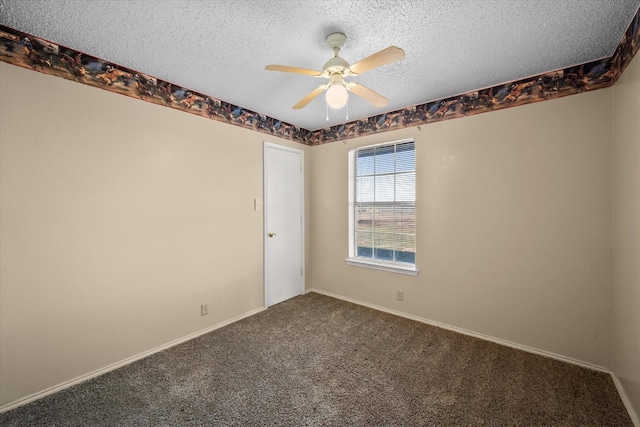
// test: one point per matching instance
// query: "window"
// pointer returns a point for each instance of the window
(382, 207)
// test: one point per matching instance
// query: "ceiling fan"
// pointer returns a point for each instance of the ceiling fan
(336, 69)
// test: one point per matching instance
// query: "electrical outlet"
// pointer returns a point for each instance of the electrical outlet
(400, 295)
(204, 310)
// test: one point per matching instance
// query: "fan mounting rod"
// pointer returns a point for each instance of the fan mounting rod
(335, 64)
(336, 41)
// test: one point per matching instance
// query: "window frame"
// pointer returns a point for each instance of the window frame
(378, 264)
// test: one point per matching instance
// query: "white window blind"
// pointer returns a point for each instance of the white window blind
(383, 216)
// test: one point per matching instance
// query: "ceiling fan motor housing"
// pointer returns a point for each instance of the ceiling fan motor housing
(335, 65)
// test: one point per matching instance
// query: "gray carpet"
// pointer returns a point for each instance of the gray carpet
(315, 360)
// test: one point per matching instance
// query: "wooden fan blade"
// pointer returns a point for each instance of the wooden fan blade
(385, 56)
(369, 95)
(307, 99)
(296, 70)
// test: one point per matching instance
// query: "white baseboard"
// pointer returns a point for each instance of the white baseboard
(468, 332)
(101, 371)
(619, 387)
(625, 399)
(113, 366)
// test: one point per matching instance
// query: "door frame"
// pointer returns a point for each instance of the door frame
(268, 146)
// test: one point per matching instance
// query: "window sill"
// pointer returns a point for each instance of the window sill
(410, 270)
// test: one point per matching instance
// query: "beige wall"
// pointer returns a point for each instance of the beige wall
(513, 226)
(118, 219)
(626, 232)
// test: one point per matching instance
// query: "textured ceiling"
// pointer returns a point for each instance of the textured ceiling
(220, 48)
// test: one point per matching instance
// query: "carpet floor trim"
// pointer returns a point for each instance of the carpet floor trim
(619, 387)
(82, 378)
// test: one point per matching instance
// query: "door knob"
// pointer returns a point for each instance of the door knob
(272, 234)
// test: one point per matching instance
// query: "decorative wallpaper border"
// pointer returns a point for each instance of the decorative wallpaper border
(28, 51)
(567, 81)
(34, 53)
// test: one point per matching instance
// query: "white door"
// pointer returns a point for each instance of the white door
(283, 223)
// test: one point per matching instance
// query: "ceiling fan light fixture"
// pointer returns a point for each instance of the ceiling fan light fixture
(336, 69)
(337, 96)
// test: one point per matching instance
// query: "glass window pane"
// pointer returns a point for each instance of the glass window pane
(365, 189)
(364, 251)
(384, 246)
(385, 159)
(405, 220)
(364, 218)
(364, 244)
(406, 187)
(405, 157)
(383, 219)
(383, 230)
(406, 243)
(408, 257)
(384, 188)
(364, 162)
(384, 240)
